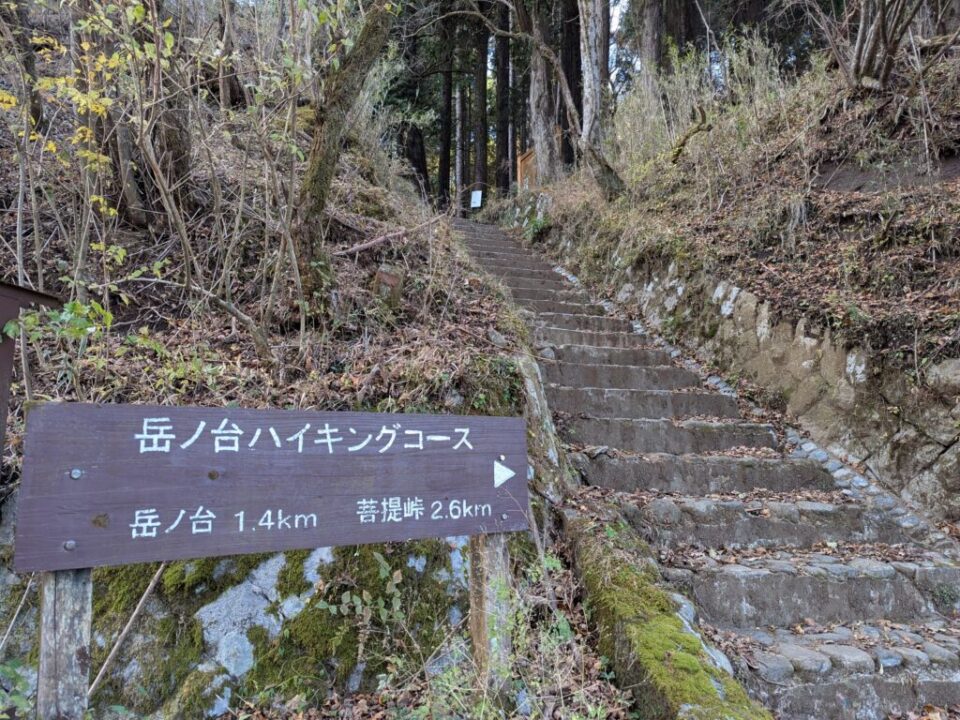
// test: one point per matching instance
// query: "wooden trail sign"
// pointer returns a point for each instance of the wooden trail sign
(116, 484)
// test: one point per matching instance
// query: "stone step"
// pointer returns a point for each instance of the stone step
(771, 521)
(631, 377)
(589, 323)
(566, 336)
(488, 250)
(473, 238)
(689, 436)
(586, 355)
(655, 404)
(789, 589)
(496, 236)
(482, 231)
(565, 308)
(851, 673)
(505, 257)
(518, 263)
(527, 290)
(492, 252)
(478, 230)
(497, 245)
(522, 270)
(511, 274)
(695, 474)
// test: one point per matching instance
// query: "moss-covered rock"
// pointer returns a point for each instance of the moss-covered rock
(652, 652)
(302, 622)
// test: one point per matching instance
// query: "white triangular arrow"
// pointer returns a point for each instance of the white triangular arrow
(501, 473)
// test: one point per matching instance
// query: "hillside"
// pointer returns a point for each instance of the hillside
(841, 209)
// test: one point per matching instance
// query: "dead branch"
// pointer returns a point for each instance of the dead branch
(389, 237)
(701, 126)
(126, 631)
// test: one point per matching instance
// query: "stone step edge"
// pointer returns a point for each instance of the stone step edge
(694, 392)
(647, 632)
(888, 655)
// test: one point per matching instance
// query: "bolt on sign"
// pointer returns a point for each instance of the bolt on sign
(117, 484)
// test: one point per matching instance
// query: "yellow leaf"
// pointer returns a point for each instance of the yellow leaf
(7, 101)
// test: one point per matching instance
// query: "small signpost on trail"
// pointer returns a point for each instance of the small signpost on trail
(117, 484)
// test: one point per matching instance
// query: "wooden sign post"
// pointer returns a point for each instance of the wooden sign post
(66, 620)
(117, 484)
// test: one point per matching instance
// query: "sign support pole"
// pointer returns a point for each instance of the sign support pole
(490, 606)
(66, 619)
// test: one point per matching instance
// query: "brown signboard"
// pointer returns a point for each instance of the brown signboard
(527, 170)
(12, 298)
(116, 484)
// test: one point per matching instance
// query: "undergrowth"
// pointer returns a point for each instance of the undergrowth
(836, 207)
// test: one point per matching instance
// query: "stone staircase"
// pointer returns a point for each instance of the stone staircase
(830, 600)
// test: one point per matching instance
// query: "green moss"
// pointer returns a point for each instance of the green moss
(178, 651)
(173, 640)
(640, 631)
(323, 645)
(20, 634)
(523, 550)
(711, 328)
(193, 700)
(291, 580)
(204, 578)
(311, 653)
(495, 386)
(675, 666)
(117, 590)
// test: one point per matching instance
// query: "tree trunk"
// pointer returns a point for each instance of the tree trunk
(521, 109)
(16, 20)
(281, 20)
(446, 117)
(594, 17)
(649, 43)
(542, 101)
(458, 148)
(513, 126)
(606, 176)
(503, 102)
(122, 148)
(690, 28)
(231, 94)
(749, 12)
(414, 149)
(605, 54)
(570, 59)
(480, 128)
(342, 88)
(464, 147)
